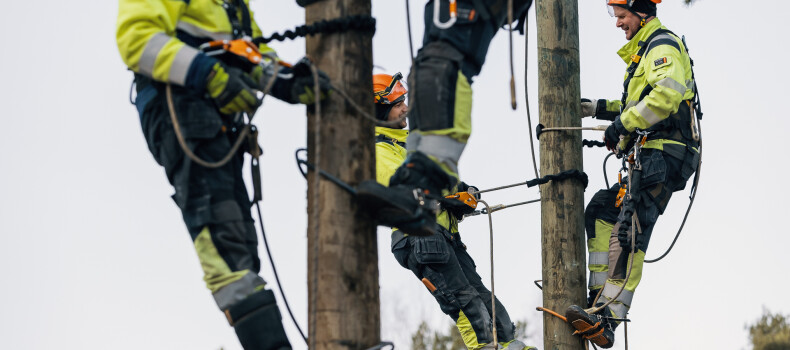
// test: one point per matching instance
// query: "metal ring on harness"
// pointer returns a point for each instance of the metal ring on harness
(453, 15)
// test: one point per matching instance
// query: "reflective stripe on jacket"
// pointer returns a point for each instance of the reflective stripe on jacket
(151, 37)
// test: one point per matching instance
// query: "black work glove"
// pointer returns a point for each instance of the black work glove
(625, 240)
(464, 187)
(625, 228)
(295, 84)
(457, 208)
(612, 135)
(596, 109)
(624, 237)
(302, 86)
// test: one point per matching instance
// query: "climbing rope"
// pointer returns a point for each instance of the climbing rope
(605, 178)
(408, 29)
(365, 114)
(510, 41)
(526, 93)
(692, 196)
(276, 275)
(491, 252)
(241, 138)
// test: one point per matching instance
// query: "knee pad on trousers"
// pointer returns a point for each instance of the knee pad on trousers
(601, 206)
(258, 323)
(433, 79)
(420, 171)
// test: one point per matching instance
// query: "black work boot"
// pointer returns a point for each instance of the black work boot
(257, 322)
(411, 203)
(597, 329)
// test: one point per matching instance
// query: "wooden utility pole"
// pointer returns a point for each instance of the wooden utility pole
(562, 202)
(343, 279)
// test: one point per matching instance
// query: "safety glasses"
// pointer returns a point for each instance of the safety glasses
(381, 96)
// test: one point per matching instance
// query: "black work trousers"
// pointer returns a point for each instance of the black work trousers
(442, 259)
(214, 202)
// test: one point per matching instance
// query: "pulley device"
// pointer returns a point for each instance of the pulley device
(468, 197)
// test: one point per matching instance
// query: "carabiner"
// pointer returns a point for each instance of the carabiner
(453, 15)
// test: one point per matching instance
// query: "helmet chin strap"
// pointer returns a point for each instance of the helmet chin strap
(642, 20)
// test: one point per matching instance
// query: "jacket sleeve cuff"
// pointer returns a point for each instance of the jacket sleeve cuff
(282, 86)
(619, 127)
(603, 112)
(198, 72)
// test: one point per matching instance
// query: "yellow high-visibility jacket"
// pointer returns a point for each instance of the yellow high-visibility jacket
(661, 82)
(389, 155)
(159, 38)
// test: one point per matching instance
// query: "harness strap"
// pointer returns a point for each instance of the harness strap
(240, 28)
(643, 46)
(391, 141)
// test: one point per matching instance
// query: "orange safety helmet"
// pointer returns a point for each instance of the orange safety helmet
(388, 89)
(629, 5)
(626, 3)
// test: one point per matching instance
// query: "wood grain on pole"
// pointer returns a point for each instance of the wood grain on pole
(347, 291)
(562, 203)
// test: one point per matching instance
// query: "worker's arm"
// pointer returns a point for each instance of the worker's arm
(145, 35)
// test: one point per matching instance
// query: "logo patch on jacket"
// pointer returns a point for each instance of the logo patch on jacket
(660, 61)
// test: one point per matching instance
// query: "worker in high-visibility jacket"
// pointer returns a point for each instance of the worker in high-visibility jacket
(159, 40)
(456, 41)
(659, 99)
(440, 260)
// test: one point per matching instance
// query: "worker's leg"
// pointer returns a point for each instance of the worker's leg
(662, 174)
(599, 219)
(216, 210)
(504, 326)
(440, 115)
(433, 259)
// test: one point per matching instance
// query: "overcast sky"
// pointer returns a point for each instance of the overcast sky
(95, 255)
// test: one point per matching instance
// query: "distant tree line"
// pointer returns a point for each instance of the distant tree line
(770, 332)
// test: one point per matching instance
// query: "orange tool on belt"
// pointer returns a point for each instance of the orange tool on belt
(428, 284)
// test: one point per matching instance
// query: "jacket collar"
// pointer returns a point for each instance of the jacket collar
(397, 134)
(632, 47)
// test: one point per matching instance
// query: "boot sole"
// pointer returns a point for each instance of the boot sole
(586, 328)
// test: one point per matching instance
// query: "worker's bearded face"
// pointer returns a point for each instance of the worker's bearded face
(398, 110)
(627, 21)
